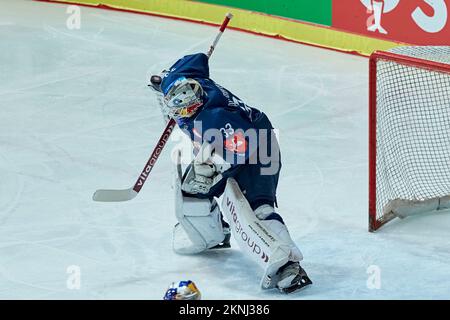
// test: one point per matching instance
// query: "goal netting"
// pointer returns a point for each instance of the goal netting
(409, 132)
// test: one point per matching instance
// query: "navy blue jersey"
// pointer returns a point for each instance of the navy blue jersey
(225, 113)
(221, 110)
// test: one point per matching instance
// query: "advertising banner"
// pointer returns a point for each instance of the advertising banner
(317, 11)
(421, 22)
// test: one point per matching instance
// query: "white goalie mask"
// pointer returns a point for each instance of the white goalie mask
(182, 98)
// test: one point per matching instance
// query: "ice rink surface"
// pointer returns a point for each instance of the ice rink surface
(76, 116)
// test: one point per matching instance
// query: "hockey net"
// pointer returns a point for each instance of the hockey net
(409, 133)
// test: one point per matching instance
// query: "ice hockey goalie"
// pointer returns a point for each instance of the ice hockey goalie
(237, 159)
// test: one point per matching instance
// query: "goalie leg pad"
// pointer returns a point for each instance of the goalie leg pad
(266, 241)
(199, 224)
(275, 224)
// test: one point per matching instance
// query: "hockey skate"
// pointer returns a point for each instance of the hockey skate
(292, 277)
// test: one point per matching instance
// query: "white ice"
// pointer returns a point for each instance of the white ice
(76, 116)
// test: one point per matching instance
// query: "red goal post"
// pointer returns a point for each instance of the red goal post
(409, 132)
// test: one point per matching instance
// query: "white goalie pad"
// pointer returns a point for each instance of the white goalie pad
(270, 248)
(199, 223)
(199, 228)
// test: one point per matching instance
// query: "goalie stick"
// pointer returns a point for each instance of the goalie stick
(106, 195)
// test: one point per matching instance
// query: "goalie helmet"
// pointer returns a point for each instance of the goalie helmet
(182, 290)
(182, 98)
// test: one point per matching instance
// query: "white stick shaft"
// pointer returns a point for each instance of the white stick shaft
(219, 35)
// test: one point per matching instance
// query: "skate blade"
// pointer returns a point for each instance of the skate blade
(221, 246)
(298, 285)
